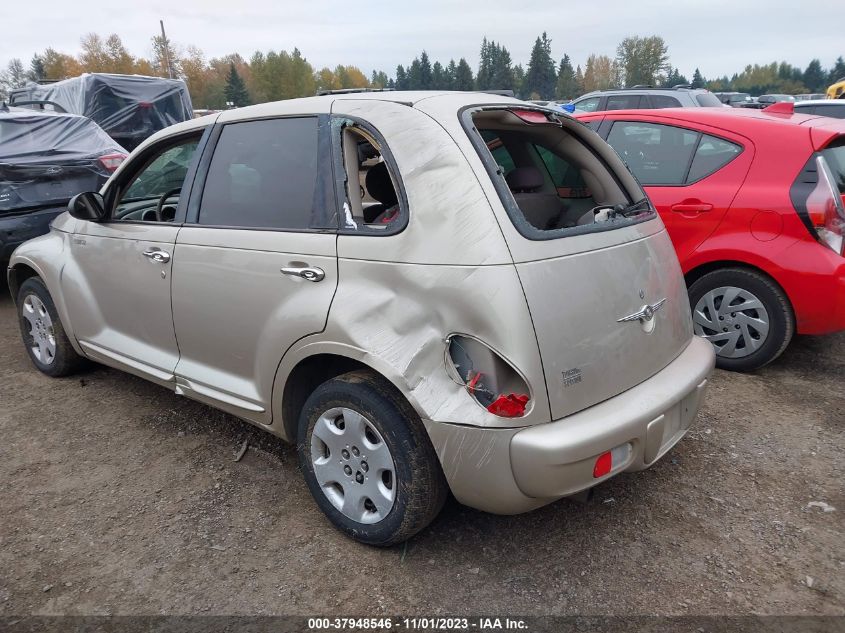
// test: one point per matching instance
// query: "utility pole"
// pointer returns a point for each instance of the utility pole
(166, 47)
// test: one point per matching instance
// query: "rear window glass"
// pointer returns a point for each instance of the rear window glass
(263, 175)
(657, 154)
(835, 157)
(708, 100)
(551, 182)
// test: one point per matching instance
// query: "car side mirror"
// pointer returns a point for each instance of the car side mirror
(87, 206)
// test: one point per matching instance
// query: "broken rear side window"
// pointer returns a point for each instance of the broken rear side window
(550, 181)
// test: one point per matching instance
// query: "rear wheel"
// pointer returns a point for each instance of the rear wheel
(368, 461)
(42, 332)
(744, 314)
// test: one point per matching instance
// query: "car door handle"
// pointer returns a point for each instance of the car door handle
(691, 207)
(311, 273)
(157, 255)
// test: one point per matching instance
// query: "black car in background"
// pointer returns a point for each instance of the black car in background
(45, 159)
(130, 108)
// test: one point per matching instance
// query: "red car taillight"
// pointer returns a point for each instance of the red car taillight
(112, 161)
(826, 208)
(489, 379)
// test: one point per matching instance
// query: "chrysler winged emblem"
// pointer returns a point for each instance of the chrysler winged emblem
(644, 315)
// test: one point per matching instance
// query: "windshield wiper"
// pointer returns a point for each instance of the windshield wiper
(632, 209)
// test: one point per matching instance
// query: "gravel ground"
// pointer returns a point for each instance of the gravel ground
(119, 497)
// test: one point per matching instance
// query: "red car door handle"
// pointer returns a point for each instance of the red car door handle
(691, 207)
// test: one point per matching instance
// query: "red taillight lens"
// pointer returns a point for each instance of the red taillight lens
(826, 208)
(604, 463)
(112, 161)
(509, 406)
(489, 379)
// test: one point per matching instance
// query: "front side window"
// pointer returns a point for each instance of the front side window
(657, 154)
(588, 105)
(152, 193)
(264, 174)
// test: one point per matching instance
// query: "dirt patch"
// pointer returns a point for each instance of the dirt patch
(120, 497)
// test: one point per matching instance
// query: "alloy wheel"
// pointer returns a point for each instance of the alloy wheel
(42, 338)
(733, 319)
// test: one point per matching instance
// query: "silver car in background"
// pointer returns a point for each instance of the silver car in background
(425, 291)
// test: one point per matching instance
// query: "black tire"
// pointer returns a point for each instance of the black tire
(65, 360)
(420, 488)
(779, 310)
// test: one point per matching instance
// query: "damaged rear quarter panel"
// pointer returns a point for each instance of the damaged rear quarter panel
(449, 271)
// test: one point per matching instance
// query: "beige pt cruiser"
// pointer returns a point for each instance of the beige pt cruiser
(425, 291)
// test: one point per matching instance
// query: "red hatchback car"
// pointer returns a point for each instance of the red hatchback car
(753, 202)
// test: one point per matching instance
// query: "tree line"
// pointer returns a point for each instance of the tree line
(232, 80)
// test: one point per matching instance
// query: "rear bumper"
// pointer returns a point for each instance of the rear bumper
(507, 471)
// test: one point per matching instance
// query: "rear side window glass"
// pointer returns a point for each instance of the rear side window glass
(836, 111)
(589, 105)
(623, 102)
(263, 175)
(565, 176)
(664, 101)
(708, 100)
(712, 154)
(657, 154)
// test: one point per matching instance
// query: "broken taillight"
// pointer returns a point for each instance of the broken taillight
(488, 378)
(112, 161)
(826, 208)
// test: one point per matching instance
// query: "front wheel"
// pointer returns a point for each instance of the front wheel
(745, 314)
(43, 335)
(368, 461)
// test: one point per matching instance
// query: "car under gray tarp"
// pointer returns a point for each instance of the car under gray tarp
(129, 108)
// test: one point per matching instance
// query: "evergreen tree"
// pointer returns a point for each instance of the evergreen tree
(235, 91)
(837, 73)
(697, 79)
(814, 78)
(540, 78)
(426, 79)
(36, 69)
(579, 81)
(485, 67)
(463, 76)
(415, 75)
(502, 74)
(438, 77)
(451, 74)
(402, 82)
(567, 85)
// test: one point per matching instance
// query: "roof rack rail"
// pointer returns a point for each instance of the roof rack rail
(642, 87)
(688, 86)
(346, 91)
(38, 102)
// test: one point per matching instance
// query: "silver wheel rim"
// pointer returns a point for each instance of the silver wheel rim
(42, 339)
(733, 319)
(353, 465)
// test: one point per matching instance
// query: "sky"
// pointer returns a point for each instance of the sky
(717, 36)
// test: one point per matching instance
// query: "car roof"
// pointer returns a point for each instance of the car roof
(809, 102)
(738, 120)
